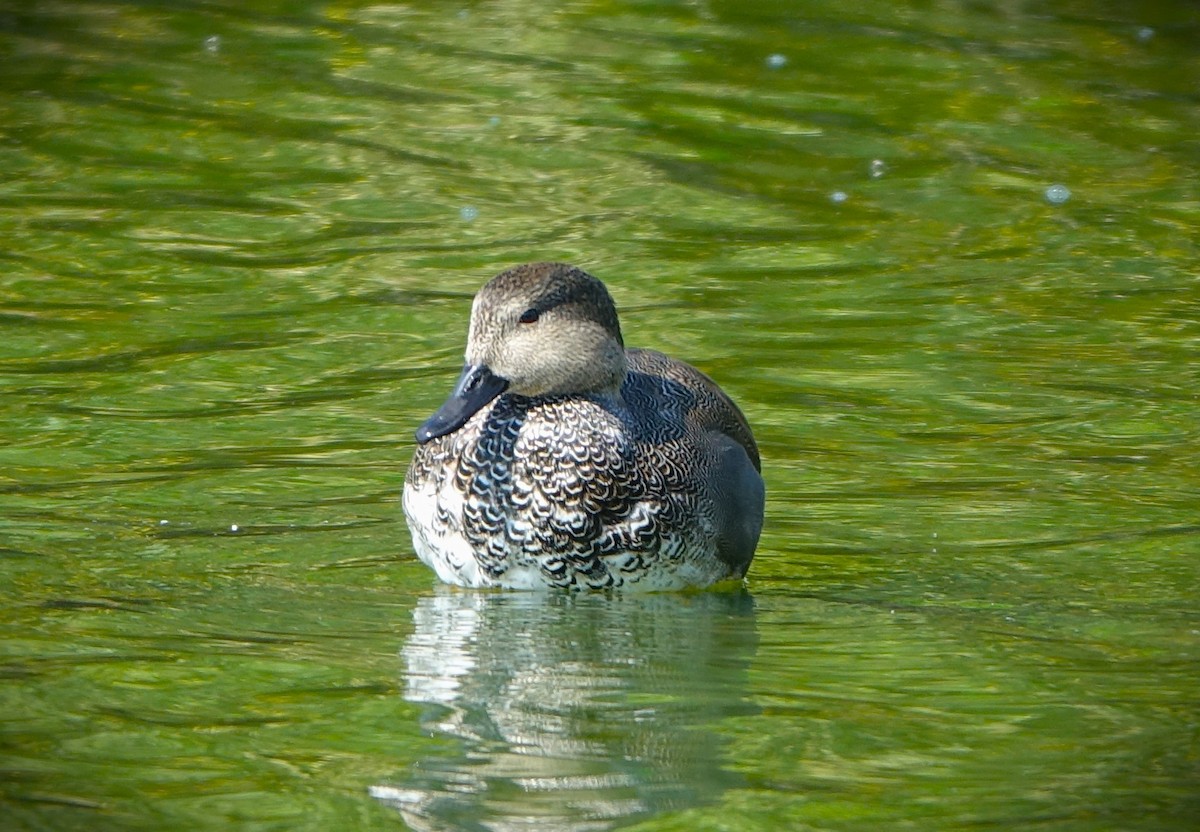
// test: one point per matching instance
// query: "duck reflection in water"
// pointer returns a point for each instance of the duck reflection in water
(574, 712)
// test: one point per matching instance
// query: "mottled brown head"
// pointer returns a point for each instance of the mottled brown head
(542, 329)
(548, 329)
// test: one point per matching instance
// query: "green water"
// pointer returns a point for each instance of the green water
(239, 248)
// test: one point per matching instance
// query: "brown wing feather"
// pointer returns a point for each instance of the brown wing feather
(712, 409)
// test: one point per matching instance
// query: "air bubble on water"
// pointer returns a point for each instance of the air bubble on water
(1058, 194)
(468, 213)
(212, 44)
(838, 197)
(878, 168)
(776, 61)
(1145, 34)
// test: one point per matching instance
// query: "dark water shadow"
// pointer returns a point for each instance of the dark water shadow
(572, 711)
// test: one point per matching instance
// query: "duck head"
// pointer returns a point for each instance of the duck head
(541, 329)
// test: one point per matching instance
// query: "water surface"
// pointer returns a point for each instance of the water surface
(240, 247)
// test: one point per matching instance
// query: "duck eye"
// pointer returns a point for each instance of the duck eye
(529, 316)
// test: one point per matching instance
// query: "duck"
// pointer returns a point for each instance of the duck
(562, 459)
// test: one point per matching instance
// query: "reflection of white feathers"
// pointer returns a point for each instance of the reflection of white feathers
(573, 711)
(437, 655)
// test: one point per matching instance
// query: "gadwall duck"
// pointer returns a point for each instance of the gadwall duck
(562, 459)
